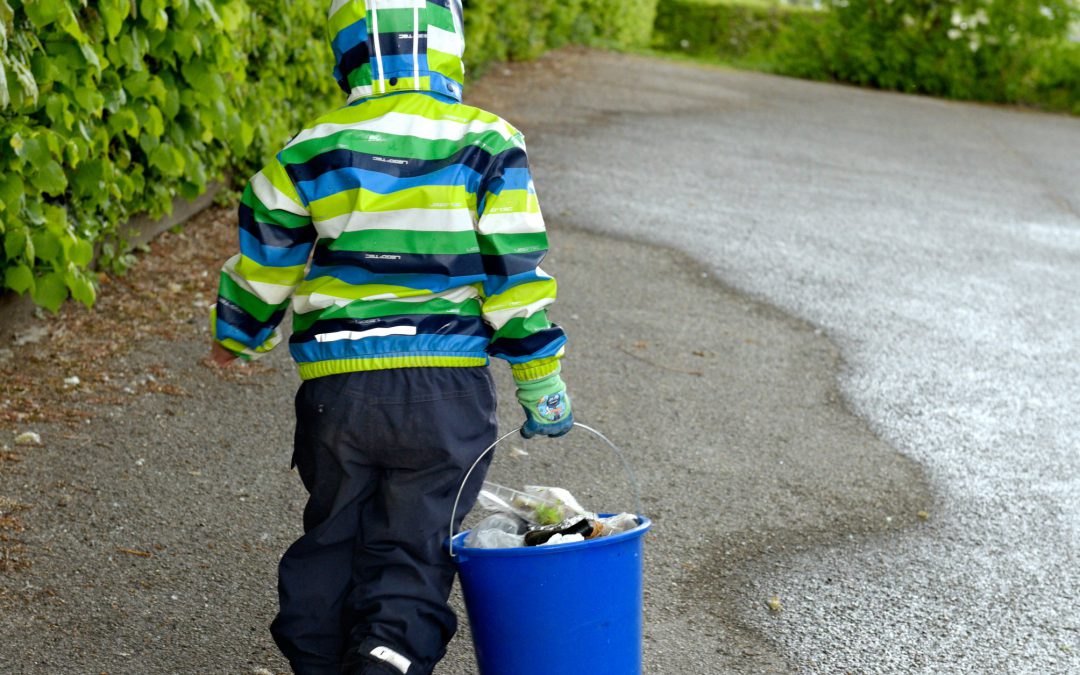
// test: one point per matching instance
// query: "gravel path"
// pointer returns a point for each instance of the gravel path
(938, 244)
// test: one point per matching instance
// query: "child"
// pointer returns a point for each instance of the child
(419, 220)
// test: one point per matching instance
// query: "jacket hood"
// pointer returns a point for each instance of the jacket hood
(384, 46)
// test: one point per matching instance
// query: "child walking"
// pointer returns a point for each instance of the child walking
(404, 229)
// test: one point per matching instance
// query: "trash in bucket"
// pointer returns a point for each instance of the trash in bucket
(539, 516)
(572, 607)
(565, 609)
(499, 530)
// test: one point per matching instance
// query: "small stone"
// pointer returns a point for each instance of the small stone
(774, 604)
(28, 438)
(140, 461)
(923, 515)
(72, 381)
(31, 336)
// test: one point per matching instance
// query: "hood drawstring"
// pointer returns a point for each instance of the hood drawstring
(378, 46)
(416, 46)
(357, 40)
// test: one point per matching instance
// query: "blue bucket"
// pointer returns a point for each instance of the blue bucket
(564, 609)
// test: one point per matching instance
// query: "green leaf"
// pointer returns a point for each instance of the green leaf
(35, 150)
(43, 12)
(56, 219)
(50, 179)
(125, 121)
(81, 253)
(11, 188)
(46, 246)
(50, 291)
(172, 103)
(156, 88)
(26, 80)
(114, 12)
(168, 160)
(19, 278)
(88, 183)
(90, 99)
(91, 56)
(153, 11)
(5, 96)
(128, 50)
(137, 83)
(70, 24)
(202, 78)
(207, 7)
(34, 213)
(82, 288)
(6, 13)
(153, 122)
(56, 107)
(14, 243)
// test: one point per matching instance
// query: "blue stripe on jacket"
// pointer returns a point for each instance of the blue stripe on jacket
(272, 256)
(391, 345)
(333, 182)
(356, 276)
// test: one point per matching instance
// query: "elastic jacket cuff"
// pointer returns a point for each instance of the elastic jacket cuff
(536, 369)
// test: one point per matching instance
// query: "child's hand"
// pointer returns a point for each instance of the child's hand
(219, 356)
(546, 405)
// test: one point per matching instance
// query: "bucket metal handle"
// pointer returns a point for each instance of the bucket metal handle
(618, 453)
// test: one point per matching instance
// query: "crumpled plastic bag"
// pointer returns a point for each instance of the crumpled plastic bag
(534, 508)
(499, 530)
(539, 508)
(567, 504)
(622, 522)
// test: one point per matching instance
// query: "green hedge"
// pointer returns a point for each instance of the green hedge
(113, 108)
(1008, 51)
(726, 30)
(523, 29)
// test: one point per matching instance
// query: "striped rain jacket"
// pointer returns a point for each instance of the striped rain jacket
(404, 227)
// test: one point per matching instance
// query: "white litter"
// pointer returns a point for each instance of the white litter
(563, 539)
(28, 438)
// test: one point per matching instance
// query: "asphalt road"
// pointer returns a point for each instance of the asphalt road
(889, 222)
(743, 448)
(937, 244)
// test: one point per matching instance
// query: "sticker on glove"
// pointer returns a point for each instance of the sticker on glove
(553, 407)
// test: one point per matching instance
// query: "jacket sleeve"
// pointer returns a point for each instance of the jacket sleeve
(513, 242)
(276, 238)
